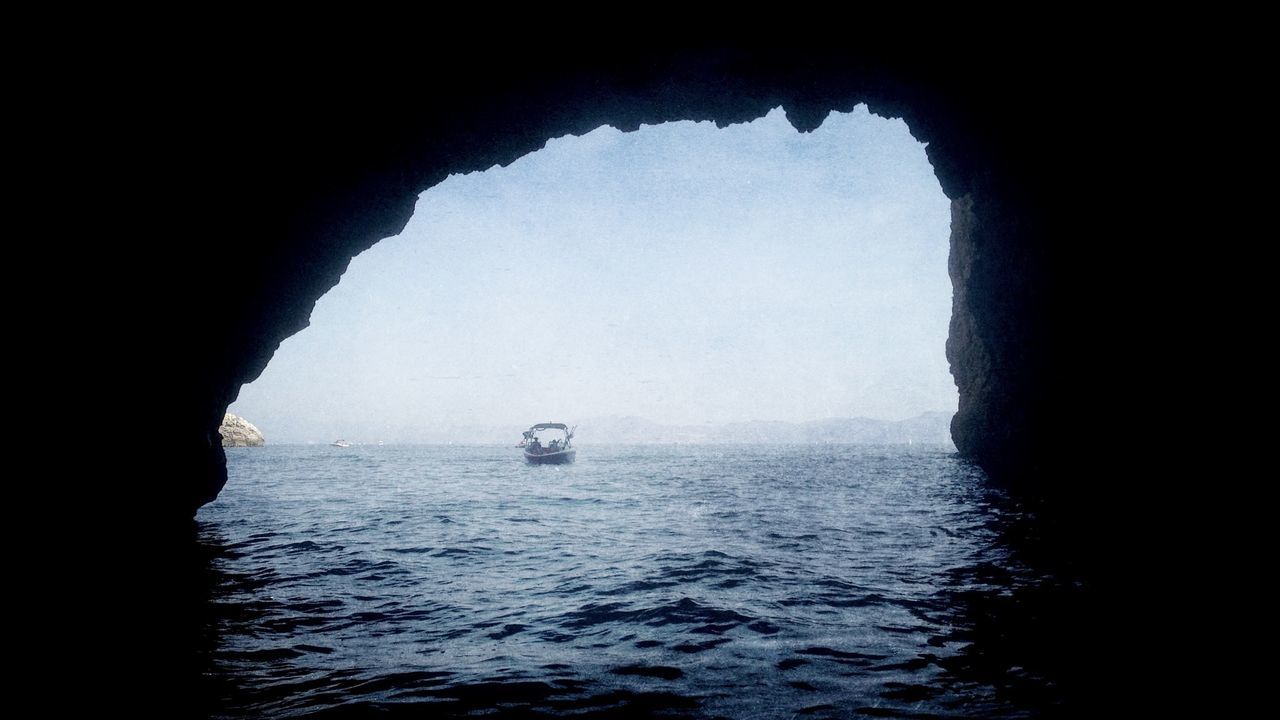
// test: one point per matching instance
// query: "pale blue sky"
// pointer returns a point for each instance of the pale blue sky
(681, 273)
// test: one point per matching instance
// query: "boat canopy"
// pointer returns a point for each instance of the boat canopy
(528, 434)
(555, 449)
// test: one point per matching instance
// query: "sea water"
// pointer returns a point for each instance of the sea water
(672, 581)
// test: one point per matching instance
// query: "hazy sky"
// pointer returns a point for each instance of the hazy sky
(681, 273)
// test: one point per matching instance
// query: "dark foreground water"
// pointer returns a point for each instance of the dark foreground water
(674, 581)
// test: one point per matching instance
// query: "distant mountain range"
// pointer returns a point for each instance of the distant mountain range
(934, 428)
(928, 428)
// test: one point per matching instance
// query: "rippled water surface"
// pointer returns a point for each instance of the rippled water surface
(738, 582)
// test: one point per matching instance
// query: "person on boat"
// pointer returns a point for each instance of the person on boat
(555, 445)
(535, 446)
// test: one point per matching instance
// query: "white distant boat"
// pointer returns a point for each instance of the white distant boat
(340, 443)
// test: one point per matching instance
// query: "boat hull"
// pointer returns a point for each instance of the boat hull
(555, 458)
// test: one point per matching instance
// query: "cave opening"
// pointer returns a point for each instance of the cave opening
(680, 278)
(292, 185)
(644, 577)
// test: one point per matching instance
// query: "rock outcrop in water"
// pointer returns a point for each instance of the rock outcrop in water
(238, 432)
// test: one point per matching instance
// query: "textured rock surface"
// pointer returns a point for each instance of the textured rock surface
(238, 432)
(309, 163)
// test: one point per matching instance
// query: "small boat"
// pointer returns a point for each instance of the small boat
(556, 452)
(340, 443)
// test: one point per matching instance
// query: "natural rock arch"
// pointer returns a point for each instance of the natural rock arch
(304, 170)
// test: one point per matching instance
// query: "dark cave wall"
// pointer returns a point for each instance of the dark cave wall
(305, 165)
(998, 280)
